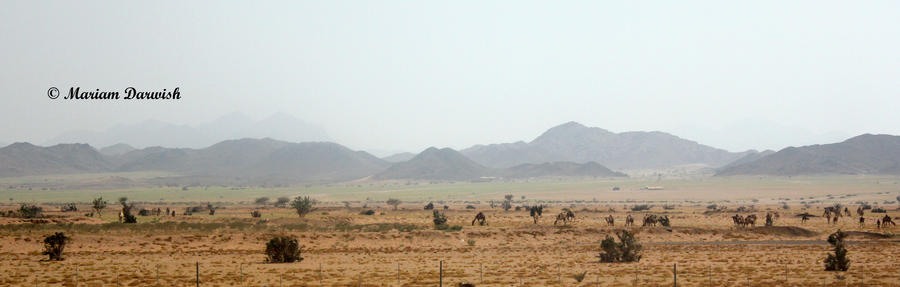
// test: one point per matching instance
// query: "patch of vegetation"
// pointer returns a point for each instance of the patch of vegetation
(878, 210)
(429, 206)
(303, 205)
(367, 212)
(68, 207)
(626, 250)
(98, 205)
(837, 261)
(393, 202)
(30, 211)
(255, 214)
(283, 249)
(640, 207)
(54, 246)
(282, 201)
(579, 276)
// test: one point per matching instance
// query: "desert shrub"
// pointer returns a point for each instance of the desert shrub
(508, 197)
(54, 246)
(470, 207)
(127, 216)
(668, 207)
(446, 207)
(261, 200)
(68, 207)
(506, 205)
(303, 205)
(429, 206)
(393, 202)
(144, 212)
(579, 276)
(255, 214)
(640, 207)
(626, 250)
(447, 227)
(368, 212)
(470, 242)
(30, 211)
(283, 249)
(98, 204)
(664, 221)
(439, 220)
(837, 261)
(282, 201)
(878, 210)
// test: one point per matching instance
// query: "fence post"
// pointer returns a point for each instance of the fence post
(241, 273)
(198, 273)
(709, 274)
(157, 274)
(398, 273)
(481, 274)
(558, 275)
(320, 274)
(441, 267)
(76, 275)
(675, 272)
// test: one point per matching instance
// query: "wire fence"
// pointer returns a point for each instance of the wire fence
(442, 273)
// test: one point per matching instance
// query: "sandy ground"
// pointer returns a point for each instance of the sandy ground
(509, 251)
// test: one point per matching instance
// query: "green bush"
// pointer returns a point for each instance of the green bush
(30, 211)
(54, 246)
(626, 250)
(303, 205)
(837, 261)
(429, 206)
(640, 207)
(283, 249)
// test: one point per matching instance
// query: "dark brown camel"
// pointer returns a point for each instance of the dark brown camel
(480, 218)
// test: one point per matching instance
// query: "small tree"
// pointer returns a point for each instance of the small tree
(262, 200)
(626, 250)
(98, 205)
(283, 249)
(127, 216)
(506, 205)
(282, 201)
(211, 208)
(429, 206)
(508, 197)
(394, 202)
(30, 211)
(303, 205)
(54, 246)
(837, 261)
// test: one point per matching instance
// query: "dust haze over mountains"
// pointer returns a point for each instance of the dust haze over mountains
(401, 76)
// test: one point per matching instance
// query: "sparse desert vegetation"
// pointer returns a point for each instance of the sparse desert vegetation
(344, 239)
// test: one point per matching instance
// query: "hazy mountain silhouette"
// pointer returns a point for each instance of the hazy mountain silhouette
(436, 164)
(751, 155)
(23, 159)
(864, 154)
(116, 149)
(590, 169)
(399, 157)
(259, 160)
(246, 161)
(231, 126)
(577, 143)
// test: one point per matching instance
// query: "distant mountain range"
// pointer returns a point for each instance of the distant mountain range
(570, 149)
(449, 164)
(232, 126)
(573, 142)
(399, 157)
(864, 154)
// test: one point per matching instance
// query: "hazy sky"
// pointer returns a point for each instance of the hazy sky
(412, 74)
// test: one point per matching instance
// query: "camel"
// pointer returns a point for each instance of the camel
(886, 220)
(804, 219)
(480, 218)
(878, 223)
(464, 284)
(769, 220)
(536, 212)
(846, 211)
(121, 216)
(649, 220)
(862, 221)
(629, 221)
(835, 219)
(610, 220)
(859, 211)
(565, 217)
(750, 220)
